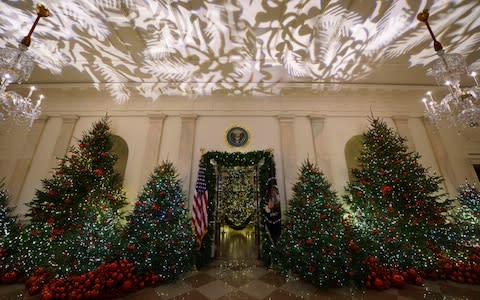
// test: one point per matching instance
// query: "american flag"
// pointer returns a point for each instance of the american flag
(200, 205)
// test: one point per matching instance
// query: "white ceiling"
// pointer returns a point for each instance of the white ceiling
(258, 47)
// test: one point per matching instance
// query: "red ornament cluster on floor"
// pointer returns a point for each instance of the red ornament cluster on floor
(109, 280)
(381, 278)
(462, 272)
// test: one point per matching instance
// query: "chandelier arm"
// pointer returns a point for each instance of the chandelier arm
(423, 17)
(42, 12)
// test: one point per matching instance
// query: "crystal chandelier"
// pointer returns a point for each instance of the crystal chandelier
(461, 106)
(16, 65)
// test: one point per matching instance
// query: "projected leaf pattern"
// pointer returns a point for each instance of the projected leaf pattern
(236, 46)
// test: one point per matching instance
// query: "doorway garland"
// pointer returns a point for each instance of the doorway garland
(203, 255)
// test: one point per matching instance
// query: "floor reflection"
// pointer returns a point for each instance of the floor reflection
(237, 244)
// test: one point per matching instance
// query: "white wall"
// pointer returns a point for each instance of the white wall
(40, 163)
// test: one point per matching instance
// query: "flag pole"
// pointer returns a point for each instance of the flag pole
(215, 214)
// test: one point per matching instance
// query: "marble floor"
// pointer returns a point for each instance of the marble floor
(234, 280)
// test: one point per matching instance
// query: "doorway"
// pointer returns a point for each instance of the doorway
(237, 212)
(255, 241)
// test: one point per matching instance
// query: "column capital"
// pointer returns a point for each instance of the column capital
(70, 118)
(400, 117)
(286, 117)
(157, 117)
(317, 118)
(188, 116)
(42, 118)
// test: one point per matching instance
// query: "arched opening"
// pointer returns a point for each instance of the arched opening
(120, 148)
(352, 152)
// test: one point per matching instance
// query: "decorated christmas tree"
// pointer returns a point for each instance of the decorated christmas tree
(8, 221)
(463, 233)
(159, 233)
(76, 215)
(395, 204)
(312, 243)
(469, 212)
(8, 228)
(459, 240)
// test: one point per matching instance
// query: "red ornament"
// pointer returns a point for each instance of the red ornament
(312, 269)
(9, 277)
(378, 283)
(57, 231)
(50, 220)
(309, 242)
(145, 236)
(156, 207)
(34, 290)
(131, 247)
(352, 245)
(67, 201)
(81, 145)
(386, 189)
(104, 154)
(418, 280)
(412, 273)
(59, 172)
(110, 283)
(127, 285)
(99, 172)
(398, 281)
(364, 181)
(46, 294)
(51, 193)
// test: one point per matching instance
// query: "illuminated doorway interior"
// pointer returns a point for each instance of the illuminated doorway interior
(237, 213)
(239, 244)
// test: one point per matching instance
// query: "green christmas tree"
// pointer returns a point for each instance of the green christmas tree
(159, 232)
(395, 203)
(464, 232)
(469, 197)
(75, 217)
(8, 221)
(8, 229)
(312, 244)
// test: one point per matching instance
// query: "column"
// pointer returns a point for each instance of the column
(319, 142)
(287, 143)
(401, 122)
(152, 147)
(24, 160)
(63, 140)
(185, 153)
(441, 156)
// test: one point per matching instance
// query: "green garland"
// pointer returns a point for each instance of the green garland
(230, 160)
